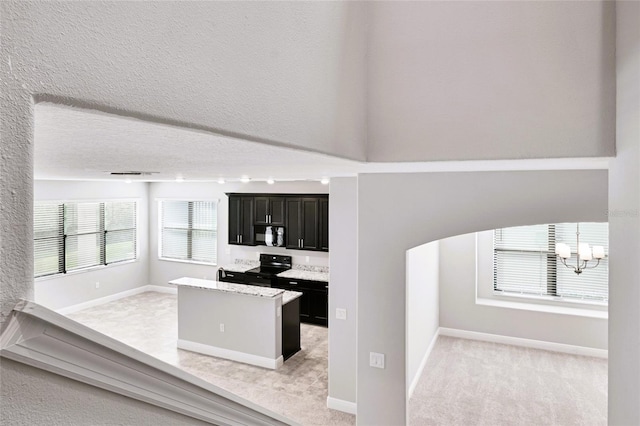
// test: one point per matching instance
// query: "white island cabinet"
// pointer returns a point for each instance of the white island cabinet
(238, 322)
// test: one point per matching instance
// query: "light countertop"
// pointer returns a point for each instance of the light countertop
(249, 290)
(237, 267)
(305, 275)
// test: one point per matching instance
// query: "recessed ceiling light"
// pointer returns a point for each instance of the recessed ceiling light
(127, 181)
(179, 179)
(324, 181)
(270, 181)
(245, 179)
(221, 181)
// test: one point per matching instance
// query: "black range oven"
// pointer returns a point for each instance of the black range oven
(263, 276)
(270, 266)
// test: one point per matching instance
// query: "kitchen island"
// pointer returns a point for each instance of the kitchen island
(250, 324)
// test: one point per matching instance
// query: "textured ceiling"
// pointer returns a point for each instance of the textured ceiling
(80, 144)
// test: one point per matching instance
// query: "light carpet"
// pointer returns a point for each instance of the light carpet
(467, 382)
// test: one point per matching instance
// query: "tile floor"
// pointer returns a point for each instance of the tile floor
(298, 389)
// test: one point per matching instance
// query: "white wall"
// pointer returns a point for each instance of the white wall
(423, 282)
(343, 278)
(285, 72)
(73, 288)
(461, 80)
(427, 207)
(624, 226)
(459, 274)
(162, 271)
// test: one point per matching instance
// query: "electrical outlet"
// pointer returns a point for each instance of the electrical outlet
(97, 284)
(341, 313)
(221, 328)
(227, 250)
(278, 311)
(306, 259)
(376, 360)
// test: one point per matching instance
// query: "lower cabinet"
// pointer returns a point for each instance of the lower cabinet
(314, 302)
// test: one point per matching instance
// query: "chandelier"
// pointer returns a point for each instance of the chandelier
(584, 254)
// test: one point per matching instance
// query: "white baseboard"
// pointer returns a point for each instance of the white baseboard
(102, 300)
(416, 378)
(341, 405)
(246, 358)
(527, 343)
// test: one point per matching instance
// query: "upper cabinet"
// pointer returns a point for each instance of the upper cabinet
(269, 211)
(303, 223)
(324, 224)
(304, 218)
(241, 230)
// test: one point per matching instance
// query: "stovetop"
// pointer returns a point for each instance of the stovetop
(271, 264)
(266, 270)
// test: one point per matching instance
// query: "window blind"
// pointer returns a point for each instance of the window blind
(525, 261)
(120, 231)
(71, 236)
(189, 231)
(48, 239)
(83, 235)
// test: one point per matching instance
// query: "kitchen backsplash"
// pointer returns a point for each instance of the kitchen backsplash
(248, 262)
(311, 268)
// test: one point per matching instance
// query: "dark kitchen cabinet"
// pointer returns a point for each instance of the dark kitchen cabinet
(303, 223)
(269, 211)
(302, 218)
(314, 302)
(324, 224)
(241, 220)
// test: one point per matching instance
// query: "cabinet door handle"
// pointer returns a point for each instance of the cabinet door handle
(293, 282)
(266, 218)
(301, 242)
(240, 239)
(230, 275)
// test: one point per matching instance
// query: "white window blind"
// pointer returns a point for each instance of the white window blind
(71, 236)
(525, 262)
(189, 231)
(83, 235)
(120, 231)
(48, 239)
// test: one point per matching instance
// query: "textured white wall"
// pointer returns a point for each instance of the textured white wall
(343, 279)
(624, 226)
(429, 207)
(77, 287)
(490, 80)
(285, 72)
(423, 269)
(30, 396)
(458, 308)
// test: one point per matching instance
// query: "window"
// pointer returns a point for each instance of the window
(524, 262)
(72, 236)
(189, 231)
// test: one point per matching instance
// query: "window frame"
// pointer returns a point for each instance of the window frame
(102, 233)
(190, 228)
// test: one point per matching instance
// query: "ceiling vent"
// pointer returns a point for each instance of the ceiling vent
(133, 173)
